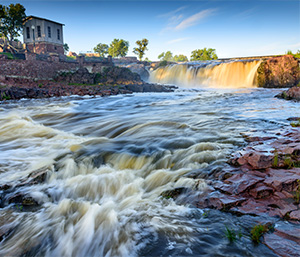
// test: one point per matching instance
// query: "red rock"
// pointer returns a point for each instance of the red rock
(220, 201)
(282, 246)
(295, 215)
(288, 232)
(282, 179)
(242, 182)
(252, 207)
(261, 191)
(282, 71)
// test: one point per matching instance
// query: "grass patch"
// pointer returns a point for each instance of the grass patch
(71, 58)
(275, 159)
(257, 231)
(4, 96)
(297, 193)
(8, 55)
(295, 124)
(232, 235)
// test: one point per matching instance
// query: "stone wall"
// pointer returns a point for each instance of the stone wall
(43, 70)
(43, 48)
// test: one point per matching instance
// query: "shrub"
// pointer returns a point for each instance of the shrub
(257, 231)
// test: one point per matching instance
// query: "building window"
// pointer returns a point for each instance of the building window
(27, 32)
(39, 31)
(49, 31)
(58, 34)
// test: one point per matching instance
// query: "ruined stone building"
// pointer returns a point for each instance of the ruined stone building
(43, 36)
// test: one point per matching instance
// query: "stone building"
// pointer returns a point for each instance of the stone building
(43, 36)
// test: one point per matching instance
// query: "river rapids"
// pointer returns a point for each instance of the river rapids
(109, 160)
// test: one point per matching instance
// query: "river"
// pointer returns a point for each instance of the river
(109, 159)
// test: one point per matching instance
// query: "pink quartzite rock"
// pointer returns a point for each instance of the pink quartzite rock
(282, 246)
(282, 71)
(243, 182)
(282, 179)
(257, 188)
(295, 215)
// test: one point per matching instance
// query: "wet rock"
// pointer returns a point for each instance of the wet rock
(219, 201)
(295, 215)
(281, 245)
(174, 193)
(261, 191)
(259, 187)
(22, 201)
(282, 180)
(291, 94)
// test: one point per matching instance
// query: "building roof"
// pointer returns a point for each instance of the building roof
(35, 17)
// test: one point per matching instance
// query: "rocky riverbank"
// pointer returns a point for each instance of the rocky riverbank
(111, 81)
(278, 72)
(263, 179)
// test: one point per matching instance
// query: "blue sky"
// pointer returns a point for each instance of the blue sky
(234, 28)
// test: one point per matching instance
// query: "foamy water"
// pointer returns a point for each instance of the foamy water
(108, 161)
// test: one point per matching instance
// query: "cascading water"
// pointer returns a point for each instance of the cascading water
(108, 163)
(233, 74)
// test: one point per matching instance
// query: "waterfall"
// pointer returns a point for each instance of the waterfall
(211, 74)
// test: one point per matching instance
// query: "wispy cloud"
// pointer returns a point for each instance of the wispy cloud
(246, 14)
(194, 19)
(177, 40)
(172, 13)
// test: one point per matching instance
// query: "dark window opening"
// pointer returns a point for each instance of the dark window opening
(27, 32)
(49, 32)
(39, 31)
(58, 34)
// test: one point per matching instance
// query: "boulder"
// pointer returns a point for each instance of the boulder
(278, 72)
(292, 93)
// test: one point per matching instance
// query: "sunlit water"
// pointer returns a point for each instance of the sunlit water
(109, 159)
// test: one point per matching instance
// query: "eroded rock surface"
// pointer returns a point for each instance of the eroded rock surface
(282, 71)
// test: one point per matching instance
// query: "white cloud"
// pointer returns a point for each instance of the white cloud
(194, 19)
(177, 40)
(172, 13)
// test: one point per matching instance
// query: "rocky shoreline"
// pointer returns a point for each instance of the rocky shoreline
(112, 81)
(263, 179)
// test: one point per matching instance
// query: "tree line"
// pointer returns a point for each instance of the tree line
(119, 48)
(196, 55)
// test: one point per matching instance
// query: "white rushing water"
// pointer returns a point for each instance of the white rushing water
(216, 74)
(108, 161)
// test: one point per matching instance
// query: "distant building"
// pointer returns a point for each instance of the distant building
(43, 36)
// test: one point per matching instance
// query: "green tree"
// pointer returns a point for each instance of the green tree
(204, 54)
(180, 58)
(66, 48)
(11, 20)
(118, 47)
(296, 55)
(142, 47)
(166, 56)
(101, 49)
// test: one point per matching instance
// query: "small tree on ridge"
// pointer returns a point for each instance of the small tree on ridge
(142, 47)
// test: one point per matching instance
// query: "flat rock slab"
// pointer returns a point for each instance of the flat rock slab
(281, 245)
(280, 179)
(257, 188)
